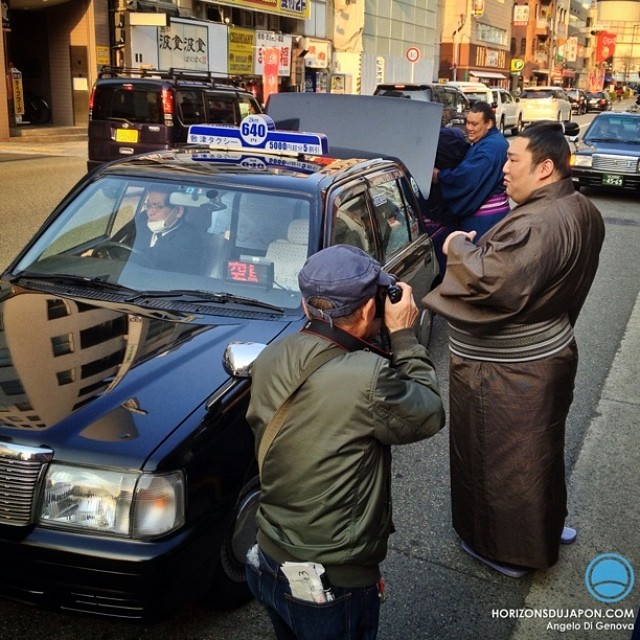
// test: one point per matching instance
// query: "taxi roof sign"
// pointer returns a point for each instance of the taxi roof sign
(258, 132)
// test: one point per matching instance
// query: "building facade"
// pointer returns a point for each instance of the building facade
(55, 48)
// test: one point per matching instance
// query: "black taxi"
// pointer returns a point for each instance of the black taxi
(128, 482)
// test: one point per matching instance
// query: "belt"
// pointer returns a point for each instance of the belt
(514, 342)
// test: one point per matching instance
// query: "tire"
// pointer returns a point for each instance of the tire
(39, 112)
(518, 128)
(229, 588)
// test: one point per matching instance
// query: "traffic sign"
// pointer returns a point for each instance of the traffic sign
(413, 54)
(517, 64)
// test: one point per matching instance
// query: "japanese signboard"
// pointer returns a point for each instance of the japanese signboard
(279, 41)
(299, 9)
(270, 67)
(520, 15)
(183, 46)
(318, 54)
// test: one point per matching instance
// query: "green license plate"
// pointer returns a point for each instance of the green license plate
(126, 135)
(612, 181)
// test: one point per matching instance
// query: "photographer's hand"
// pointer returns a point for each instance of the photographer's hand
(401, 314)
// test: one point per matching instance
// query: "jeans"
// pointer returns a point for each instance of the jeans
(353, 615)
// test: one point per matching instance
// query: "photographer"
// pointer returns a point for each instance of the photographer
(326, 473)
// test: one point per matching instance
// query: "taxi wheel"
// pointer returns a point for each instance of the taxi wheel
(229, 588)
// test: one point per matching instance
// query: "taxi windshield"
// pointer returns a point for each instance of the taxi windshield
(146, 235)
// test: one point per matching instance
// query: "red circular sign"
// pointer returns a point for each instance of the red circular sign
(413, 54)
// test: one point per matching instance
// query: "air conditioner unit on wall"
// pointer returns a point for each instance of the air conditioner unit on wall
(261, 20)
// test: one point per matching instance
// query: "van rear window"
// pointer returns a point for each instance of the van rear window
(133, 105)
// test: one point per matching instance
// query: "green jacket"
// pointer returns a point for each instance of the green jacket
(326, 479)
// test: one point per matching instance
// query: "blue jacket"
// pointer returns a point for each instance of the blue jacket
(478, 177)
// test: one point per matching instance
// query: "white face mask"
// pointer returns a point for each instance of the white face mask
(155, 226)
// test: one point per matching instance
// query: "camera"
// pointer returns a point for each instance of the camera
(393, 291)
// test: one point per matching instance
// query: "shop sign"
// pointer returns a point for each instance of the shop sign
(6, 23)
(102, 55)
(299, 9)
(283, 43)
(241, 48)
(571, 49)
(605, 46)
(318, 54)
(270, 72)
(520, 15)
(183, 46)
(478, 8)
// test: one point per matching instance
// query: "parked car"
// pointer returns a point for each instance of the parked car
(508, 111)
(138, 110)
(474, 91)
(544, 103)
(127, 469)
(456, 104)
(608, 154)
(598, 101)
(578, 100)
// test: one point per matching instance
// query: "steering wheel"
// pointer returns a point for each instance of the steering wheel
(112, 250)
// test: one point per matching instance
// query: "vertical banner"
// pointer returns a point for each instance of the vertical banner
(605, 46)
(270, 66)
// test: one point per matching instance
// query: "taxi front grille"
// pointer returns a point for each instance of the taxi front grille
(20, 471)
(615, 164)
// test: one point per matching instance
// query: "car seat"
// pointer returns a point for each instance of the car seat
(288, 256)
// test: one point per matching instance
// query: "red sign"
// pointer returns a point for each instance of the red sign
(270, 67)
(605, 46)
(413, 54)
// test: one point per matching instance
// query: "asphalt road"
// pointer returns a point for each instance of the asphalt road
(435, 591)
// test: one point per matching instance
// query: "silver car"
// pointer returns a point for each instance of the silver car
(544, 103)
(508, 111)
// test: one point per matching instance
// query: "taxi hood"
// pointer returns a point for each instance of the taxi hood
(99, 385)
(366, 127)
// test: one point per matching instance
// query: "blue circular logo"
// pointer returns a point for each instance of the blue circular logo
(609, 577)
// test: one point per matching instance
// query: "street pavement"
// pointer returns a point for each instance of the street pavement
(607, 519)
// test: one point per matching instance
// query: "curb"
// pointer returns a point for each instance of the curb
(603, 498)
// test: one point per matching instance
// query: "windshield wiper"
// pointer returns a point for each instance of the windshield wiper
(197, 295)
(65, 278)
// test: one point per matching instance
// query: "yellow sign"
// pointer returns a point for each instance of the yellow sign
(241, 50)
(18, 95)
(517, 65)
(102, 56)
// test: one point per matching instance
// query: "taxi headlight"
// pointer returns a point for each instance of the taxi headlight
(113, 502)
(582, 161)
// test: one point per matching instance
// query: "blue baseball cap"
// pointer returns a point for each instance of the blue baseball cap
(345, 275)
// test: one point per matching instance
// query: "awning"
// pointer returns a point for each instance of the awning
(544, 72)
(488, 74)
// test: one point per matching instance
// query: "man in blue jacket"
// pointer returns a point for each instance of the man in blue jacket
(474, 191)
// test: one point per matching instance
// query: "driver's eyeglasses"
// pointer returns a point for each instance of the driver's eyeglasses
(153, 205)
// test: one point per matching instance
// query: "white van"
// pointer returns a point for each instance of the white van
(475, 91)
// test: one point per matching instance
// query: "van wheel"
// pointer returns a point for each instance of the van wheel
(518, 128)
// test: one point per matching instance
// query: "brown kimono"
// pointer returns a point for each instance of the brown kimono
(512, 301)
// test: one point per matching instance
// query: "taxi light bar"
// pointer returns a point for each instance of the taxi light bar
(258, 132)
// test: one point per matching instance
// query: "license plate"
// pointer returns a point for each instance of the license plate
(126, 135)
(612, 181)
